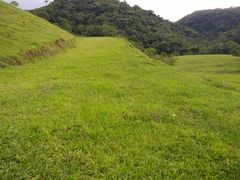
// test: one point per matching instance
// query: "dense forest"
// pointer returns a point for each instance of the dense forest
(112, 17)
(221, 27)
(203, 32)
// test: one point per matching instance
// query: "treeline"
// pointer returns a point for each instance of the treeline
(115, 18)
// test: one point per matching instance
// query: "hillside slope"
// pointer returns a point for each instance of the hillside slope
(105, 110)
(112, 17)
(22, 34)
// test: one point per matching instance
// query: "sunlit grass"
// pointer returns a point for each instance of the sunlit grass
(104, 109)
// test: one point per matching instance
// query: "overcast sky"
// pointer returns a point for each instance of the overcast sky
(172, 10)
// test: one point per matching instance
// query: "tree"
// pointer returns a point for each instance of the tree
(14, 3)
(63, 23)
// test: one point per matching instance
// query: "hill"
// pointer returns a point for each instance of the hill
(112, 17)
(24, 36)
(219, 26)
(212, 23)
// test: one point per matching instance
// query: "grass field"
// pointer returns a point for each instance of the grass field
(104, 109)
(222, 71)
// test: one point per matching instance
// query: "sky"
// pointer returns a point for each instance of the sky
(172, 10)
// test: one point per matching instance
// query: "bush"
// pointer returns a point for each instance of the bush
(170, 60)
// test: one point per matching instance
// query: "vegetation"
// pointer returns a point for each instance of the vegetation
(203, 32)
(114, 18)
(104, 109)
(220, 26)
(212, 23)
(14, 3)
(23, 36)
(222, 71)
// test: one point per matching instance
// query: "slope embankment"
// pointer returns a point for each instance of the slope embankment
(24, 37)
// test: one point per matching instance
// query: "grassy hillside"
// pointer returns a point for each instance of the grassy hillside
(104, 109)
(22, 34)
(222, 71)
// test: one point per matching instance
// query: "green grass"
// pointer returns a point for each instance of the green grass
(105, 110)
(222, 71)
(21, 32)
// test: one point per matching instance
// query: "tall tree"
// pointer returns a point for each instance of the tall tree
(14, 3)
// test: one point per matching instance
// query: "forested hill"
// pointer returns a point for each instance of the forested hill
(213, 23)
(112, 17)
(220, 26)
